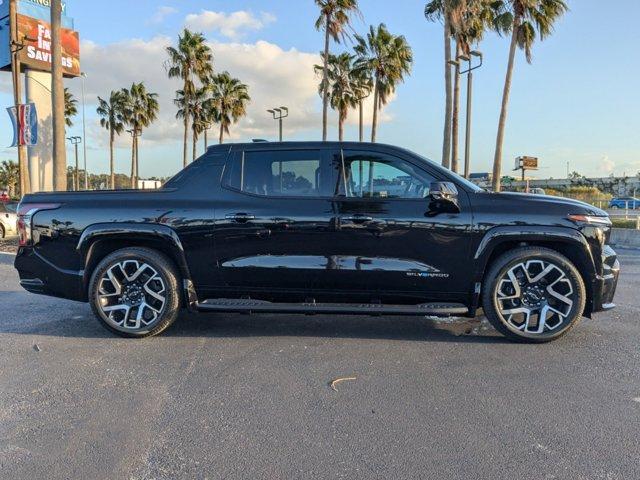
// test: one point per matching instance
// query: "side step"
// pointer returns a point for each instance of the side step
(258, 306)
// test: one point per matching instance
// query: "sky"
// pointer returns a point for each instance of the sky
(576, 106)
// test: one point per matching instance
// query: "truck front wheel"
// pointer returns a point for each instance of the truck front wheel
(134, 292)
(533, 294)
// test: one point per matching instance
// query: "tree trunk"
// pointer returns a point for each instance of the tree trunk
(221, 133)
(195, 145)
(325, 81)
(361, 126)
(133, 161)
(112, 175)
(137, 159)
(341, 118)
(23, 168)
(456, 114)
(57, 95)
(446, 143)
(374, 123)
(206, 140)
(497, 159)
(186, 132)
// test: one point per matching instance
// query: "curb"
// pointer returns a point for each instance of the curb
(8, 253)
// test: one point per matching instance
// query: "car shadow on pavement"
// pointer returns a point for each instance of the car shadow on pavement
(82, 324)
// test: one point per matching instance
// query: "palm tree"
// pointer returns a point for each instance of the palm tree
(465, 21)
(140, 110)
(389, 57)
(333, 19)
(10, 177)
(111, 114)
(230, 98)
(70, 107)
(194, 106)
(190, 60)
(342, 78)
(523, 18)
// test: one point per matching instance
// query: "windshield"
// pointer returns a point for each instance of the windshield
(11, 207)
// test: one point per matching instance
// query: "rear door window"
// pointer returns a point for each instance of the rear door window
(286, 173)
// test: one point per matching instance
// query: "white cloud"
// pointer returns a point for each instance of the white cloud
(607, 165)
(161, 14)
(231, 25)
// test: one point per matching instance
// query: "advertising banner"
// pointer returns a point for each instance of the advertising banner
(36, 53)
(25, 124)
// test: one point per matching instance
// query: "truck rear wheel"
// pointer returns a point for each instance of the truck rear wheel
(533, 294)
(134, 292)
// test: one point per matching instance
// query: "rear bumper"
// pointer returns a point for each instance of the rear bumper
(40, 276)
(604, 286)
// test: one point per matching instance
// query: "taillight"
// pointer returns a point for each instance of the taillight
(26, 212)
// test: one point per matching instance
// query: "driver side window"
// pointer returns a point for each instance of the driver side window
(375, 175)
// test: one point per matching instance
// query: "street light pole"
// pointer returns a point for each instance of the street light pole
(467, 141)
(76, 177)
(84, 135)
(279, 114)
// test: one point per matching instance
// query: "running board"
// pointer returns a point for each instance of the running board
(258, 306)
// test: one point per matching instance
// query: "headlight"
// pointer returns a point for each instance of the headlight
(591, 219)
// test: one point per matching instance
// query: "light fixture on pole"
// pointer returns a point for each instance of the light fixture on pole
(76, 176)
(469, 72)
(83, 75)
(279, 114)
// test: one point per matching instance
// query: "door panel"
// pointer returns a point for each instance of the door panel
(388, 239)
(274, 221)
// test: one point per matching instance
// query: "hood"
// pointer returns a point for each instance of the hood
(548, 201)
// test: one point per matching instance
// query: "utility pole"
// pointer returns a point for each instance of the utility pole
(57, 92)
(16, 46)
(467, 141)
(279, 114)
(84, 135)
(76, 176)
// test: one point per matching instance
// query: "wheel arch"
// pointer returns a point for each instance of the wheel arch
(99, 240)
(566, 241)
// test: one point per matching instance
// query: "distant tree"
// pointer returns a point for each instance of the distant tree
(193, 105)
(10, 177)
(389, 57)
(70, 107)
(140, 110)
(524, 19)
(192, 59)
(230, 99)
(112, 113)
(334, 19)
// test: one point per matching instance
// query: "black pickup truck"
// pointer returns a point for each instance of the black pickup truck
(319, 228)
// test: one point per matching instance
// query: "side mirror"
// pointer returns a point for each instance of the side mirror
(443, 198)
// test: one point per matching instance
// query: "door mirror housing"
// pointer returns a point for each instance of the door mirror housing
(443, 198)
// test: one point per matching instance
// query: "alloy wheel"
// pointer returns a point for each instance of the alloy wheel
(534, 297)
(131, 295)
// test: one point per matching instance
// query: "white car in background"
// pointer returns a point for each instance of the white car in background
(8, 219)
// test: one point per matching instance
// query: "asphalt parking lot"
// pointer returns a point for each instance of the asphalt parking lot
(232, 396)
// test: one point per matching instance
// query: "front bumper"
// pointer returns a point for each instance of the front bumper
(604, 285)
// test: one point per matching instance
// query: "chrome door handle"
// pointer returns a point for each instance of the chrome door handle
(357, 218)
(240, 217)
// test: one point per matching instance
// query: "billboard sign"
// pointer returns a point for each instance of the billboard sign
(34, 32)
(527, 163)
(36, 54)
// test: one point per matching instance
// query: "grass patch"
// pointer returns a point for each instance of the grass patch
(622, 223)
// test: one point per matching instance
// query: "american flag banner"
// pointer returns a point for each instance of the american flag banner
(25, 124)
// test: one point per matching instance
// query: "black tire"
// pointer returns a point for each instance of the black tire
(537, 293)
(166, 274)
